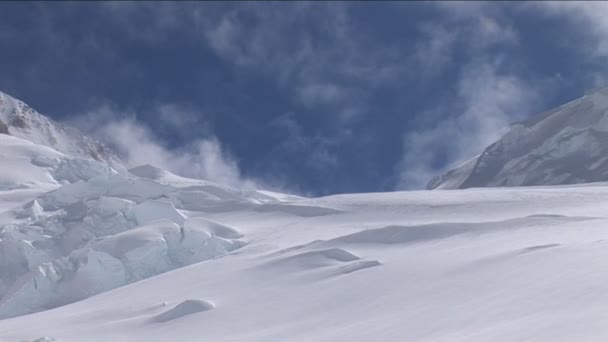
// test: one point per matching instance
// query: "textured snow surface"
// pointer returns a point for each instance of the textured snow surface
(490, 264)
(567, 145)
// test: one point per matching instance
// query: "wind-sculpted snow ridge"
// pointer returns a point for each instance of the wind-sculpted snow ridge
(108, 229)
(185, 308)
(20, 120)
(567, 145)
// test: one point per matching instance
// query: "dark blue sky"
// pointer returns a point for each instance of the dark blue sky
(315, 98)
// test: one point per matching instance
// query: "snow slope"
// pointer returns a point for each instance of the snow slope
(489, 264)
(566, 145)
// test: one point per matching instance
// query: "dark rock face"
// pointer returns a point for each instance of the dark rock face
(18, 121)
(3, 128)
(22, 121)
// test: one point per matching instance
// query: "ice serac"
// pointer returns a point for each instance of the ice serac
(113, 229)
(567, 145)
(22, 121)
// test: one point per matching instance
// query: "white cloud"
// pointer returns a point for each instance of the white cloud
(161, 17)
(589, 20)
(490, 102)
(487, 97)
(434, 53)
(179, 118)
(464, 26)
(316, 149)
(137, 145)
(320, 93)
(326, 61)
(591, 15)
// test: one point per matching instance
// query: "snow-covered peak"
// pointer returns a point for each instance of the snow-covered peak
(566, 145)
(20, 120)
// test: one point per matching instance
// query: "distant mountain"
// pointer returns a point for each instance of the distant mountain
(20, 120)
(566, 145)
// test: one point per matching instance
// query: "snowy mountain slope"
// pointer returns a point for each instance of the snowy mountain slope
(20, 120)
(564, 146)
(92, 234)
(71, 226)
(493, 264)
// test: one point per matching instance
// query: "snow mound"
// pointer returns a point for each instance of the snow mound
(45, 339)
(339, 260)
(212, 228)
(359, 265)
(165, 177)
(298, 209)
(398, 234)
(402, 234)
(317, 258)
(149, 171)
(185, 308)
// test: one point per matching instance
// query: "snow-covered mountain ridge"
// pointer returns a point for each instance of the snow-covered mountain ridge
(20, 120)
(567, 145)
